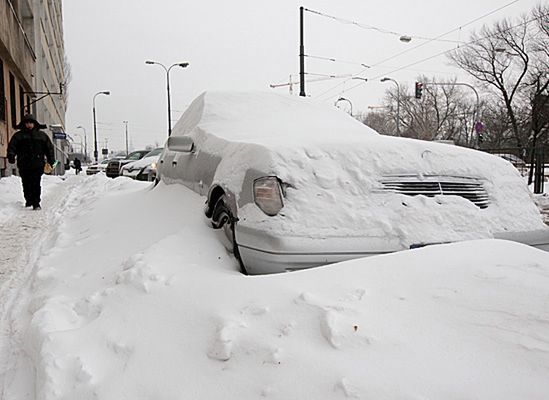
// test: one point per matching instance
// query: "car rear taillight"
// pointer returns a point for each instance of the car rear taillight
(267, 195)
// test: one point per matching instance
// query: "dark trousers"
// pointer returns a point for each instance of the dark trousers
(31, 185)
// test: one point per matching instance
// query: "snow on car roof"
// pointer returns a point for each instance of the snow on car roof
(278, 121)
(269, 119)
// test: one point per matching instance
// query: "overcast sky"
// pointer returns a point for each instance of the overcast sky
(247, 45)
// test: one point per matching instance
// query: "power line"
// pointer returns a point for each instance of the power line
(427, 42)
(446, 51)
(323, 77)
(377, 29)
(329, 75)
(449, 32)
(337, 60)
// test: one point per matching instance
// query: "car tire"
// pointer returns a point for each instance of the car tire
(222, 218)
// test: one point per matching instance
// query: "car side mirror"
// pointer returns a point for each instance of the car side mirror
(182, 144)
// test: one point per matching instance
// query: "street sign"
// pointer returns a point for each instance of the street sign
(60, 135)
(105, 152)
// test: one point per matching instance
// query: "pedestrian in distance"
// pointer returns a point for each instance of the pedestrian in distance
(31, 148)
(77, 165)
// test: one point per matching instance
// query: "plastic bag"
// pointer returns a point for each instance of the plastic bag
(48, 169)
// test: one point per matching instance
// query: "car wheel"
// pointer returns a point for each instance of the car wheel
(222, 218)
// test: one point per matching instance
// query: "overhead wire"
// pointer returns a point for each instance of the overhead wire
(447, 51)
(329, 75)
(375, 28)
(425, 43)
(337, 60)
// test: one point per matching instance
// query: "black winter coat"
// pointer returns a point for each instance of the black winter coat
(30, 148)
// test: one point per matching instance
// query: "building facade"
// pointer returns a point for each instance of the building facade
(32, 72)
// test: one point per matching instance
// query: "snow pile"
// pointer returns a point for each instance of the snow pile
(136, 298)
(12, 193)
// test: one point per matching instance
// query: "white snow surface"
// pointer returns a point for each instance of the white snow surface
(334, 166)
(122, 291)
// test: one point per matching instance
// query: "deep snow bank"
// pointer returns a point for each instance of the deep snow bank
(138, 299)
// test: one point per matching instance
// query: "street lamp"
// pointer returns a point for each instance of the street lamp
(95, 153)
(85, 142)
(347, 100)
(126, 123)
(74, 143)
(398, 102)
(182, 65)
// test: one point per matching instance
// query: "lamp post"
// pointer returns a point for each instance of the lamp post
(95, 153)
(398, 102)
(126, 123)
(80, 143)
(85, 142)
(347, 100)
(182, 65)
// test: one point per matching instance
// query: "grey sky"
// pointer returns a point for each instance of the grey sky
(243, 45)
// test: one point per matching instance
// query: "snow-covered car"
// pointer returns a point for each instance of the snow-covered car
(292, 184)
(98, 167)
(114, 166)
(517, 162)
(144, 169)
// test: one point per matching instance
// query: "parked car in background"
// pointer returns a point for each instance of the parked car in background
(292, 184)
(144, 169)
(113, 167)
(98, 167)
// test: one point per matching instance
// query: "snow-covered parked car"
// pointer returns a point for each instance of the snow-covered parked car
(293, 184)
(143, 169)
(115, 165)
(97, 167)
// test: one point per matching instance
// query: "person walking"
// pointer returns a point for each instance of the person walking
(77, 165)
(31, 147)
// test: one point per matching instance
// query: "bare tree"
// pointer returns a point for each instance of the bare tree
(381, 121)
(511, 60)
(443, 113)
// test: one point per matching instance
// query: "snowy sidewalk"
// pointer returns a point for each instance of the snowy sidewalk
(24, 234)
(131, 296)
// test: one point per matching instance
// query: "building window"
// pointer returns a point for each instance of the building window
(13, 107)
(2, 93)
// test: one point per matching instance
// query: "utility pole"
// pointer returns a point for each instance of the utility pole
(126, 123)
(301, 55)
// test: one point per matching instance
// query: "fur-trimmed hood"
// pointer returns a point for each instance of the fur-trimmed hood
(30, 117)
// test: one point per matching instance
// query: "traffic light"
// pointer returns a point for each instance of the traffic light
(419, 90)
